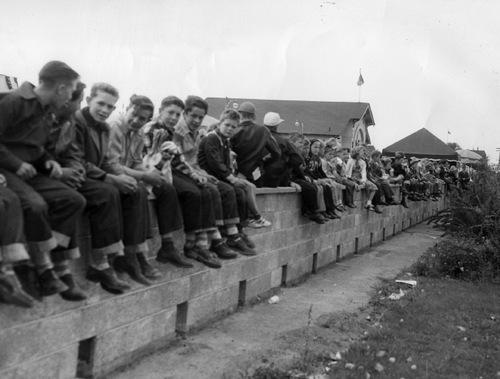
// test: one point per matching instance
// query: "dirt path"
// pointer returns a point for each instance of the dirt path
(265, 332)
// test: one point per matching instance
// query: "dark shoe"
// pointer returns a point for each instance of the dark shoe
(26, 273)
(168, 254)
(246, 239)
(11, 291)
(404, 204)
(201, 255)
(333, 214)
(108, 280)
(73, 293)
(393, 202)
(377, 209)
(50, 284)
(130, 265)
(350, 205)
(317, 218)
(327, 215)
(238, 244)
(383, 203)
(147, 270)
(370, 207)
(222, 250)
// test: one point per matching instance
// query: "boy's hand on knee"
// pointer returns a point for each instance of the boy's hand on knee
(26, 171)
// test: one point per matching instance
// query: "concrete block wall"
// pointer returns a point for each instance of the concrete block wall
(59, 339)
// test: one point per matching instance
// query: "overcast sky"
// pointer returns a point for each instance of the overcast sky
(426, 63)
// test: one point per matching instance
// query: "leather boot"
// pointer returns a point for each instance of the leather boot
(11, 291)
(147, 270)
(26, 273)
(222, 250)
(108, 280)
(168, 254)
(130, 265)
(238, 244)
(250, 244)
(50, 284)
(201, 255)
(73, 293)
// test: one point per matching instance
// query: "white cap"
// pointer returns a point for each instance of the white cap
(272, 119)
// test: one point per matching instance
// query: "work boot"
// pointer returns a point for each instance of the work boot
(108, 280)
(377, 209)
(147, 270)
(238, 244)
(26, 273)
(11, 291)
(250, 244)
(73, 293)
(222, 250)
(201, 255)
(168, 254)
(317, 218)
(49, 284)
(403, 203)
(130, 265)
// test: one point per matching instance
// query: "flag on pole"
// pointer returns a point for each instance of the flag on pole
(449, 132)
(360, 80)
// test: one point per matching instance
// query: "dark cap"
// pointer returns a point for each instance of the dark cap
(247, 107)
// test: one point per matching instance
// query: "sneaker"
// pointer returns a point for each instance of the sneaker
(222, 250)
(236, 243)
(50, 284)
(260, 223)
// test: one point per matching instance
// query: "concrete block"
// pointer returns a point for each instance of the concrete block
(258, 285)
(299, 269)
(61, 364)
(276, 277)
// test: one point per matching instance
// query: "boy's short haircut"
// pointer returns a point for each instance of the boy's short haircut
(295, 136)
(142, 102)
(329, 149)
(78, 91)
(55, 72)
(103, 87)
(375, 153)
(399, 155)
(230, 114)
(171, 100)
(356, 151)
(339, 150)
(195, 101)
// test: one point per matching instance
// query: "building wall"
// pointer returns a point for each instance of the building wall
(105, 332)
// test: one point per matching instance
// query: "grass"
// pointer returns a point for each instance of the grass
(443, 328)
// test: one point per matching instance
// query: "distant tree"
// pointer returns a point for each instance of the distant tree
(454, 145)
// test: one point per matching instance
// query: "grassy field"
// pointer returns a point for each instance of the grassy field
(441, 328)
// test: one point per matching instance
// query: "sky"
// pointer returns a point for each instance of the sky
(425, 63)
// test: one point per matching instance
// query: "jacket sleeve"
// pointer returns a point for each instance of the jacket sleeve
(272, 145)
(92, 170)
(114, 156)
(8, 113)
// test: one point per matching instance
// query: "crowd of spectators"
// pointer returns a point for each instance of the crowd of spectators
(58, 161)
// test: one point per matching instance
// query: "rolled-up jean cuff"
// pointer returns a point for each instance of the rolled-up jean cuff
(138, 248)
(14, 252)
(42, 246)
(231, 221)
(62, 240)
(64, 255)
(114, 248)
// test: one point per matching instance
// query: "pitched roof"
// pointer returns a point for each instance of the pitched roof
(422, 144)
(480, 152)
(319, 117)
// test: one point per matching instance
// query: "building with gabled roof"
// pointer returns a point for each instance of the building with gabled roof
(421, 144)
(315, 119)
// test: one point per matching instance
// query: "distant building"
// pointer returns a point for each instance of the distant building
(346, 121)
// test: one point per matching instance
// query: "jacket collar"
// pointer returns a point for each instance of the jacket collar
(84, 115)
